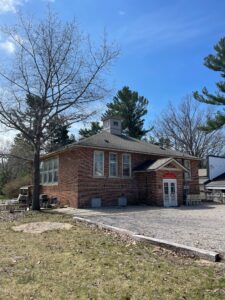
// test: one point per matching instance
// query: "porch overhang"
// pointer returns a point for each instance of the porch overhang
(160, 164)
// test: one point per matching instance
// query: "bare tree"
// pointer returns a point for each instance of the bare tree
(56, 70)
(180, 125)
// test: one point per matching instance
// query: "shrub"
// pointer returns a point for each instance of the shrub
(11, 189)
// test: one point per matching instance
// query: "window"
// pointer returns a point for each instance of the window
(49, 171)
(115, 123)
(112, 164)
(126, 165)
(187, 165)
(98, 163)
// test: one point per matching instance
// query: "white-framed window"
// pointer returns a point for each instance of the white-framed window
(187, 165)
(113, 165)
(49, 171)
(98, 163)
(126, 165)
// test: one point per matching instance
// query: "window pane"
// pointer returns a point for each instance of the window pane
(55, 164)
(55, 179)
(112, 157)
(45, 177)
(126, 165)
(126, 159)
(112, 170)
(98, 163)
(50, 164)
(172, 186)
(126, 171)
(45, 165)
(166, 188)
(50, 177)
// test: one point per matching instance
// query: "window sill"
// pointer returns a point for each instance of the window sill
(49, 184)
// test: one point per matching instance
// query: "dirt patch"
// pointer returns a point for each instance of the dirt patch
(40, 227)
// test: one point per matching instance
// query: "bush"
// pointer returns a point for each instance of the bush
(11, 189)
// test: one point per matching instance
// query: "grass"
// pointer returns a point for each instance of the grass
(86, 263)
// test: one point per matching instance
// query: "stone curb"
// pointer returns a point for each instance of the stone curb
(201, 253)
(108, 227)
(197, 252)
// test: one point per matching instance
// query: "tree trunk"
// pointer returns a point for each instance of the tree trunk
(36, 180)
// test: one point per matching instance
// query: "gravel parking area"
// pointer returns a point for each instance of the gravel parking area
(201, 227)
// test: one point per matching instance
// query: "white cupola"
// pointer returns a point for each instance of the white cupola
(113, 125)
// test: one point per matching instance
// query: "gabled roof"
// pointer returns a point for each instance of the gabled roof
(153, 165)
(217, 183)
(106, 140)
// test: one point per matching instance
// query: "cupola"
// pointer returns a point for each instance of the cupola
(113, 125)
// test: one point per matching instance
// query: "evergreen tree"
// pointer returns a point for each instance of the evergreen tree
(216, 63)
(95, 128)
(59, 134)
(132, 108)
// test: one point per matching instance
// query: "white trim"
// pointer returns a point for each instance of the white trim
(94, 175)
(175, 161)
(116, 176)
(130, 164)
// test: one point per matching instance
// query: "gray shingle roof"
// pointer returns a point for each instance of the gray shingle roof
(106, 140)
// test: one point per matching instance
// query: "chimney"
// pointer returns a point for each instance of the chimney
(113, 125)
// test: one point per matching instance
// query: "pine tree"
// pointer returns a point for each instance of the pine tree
(216, 63)
(132, 108)
(95, 128)
(59, 137)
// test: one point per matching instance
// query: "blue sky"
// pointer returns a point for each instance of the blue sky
(163, 42)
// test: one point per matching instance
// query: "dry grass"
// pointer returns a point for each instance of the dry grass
(85, 263)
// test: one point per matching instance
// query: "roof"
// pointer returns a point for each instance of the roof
(152, 165)
(217, 183)
(106, 140)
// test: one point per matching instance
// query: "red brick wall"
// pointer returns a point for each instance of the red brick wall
(194, 181)
(67, 188)
(77, 185)
(107, 188)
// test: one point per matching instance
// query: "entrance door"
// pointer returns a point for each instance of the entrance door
(170, 192)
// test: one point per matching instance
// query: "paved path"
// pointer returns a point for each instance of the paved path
(202, 226)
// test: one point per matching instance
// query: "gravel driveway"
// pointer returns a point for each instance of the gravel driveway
(201, 227)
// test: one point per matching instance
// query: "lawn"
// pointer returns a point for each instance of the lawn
(86, 263)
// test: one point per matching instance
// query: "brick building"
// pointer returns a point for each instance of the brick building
(112, 169)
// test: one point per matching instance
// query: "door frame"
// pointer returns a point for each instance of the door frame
(169, 186)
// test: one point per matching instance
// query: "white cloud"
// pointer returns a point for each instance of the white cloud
(10, 5)
(8, 46)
